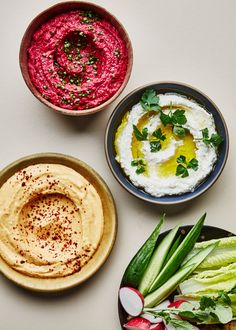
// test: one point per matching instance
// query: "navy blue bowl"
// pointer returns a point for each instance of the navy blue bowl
(133, 98)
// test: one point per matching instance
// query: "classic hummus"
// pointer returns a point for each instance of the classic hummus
(51, 221)
(77, 60)
(159, 161)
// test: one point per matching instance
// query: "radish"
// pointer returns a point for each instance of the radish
(131, 300)
(138, 323)
(159, 326)
(151, 318)
(177, 303)
(163, 305)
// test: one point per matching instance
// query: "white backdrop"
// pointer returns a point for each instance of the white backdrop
(185, 40)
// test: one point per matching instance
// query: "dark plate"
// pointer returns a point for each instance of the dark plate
(207, 233)
(133, 98)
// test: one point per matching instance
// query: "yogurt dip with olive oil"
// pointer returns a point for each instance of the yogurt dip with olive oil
(167, 149)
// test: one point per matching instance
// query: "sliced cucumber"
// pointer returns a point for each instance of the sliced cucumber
(136, 268)
(166, 289)
(157, 261)
(179, 255)
(173, 248)
(169, 286)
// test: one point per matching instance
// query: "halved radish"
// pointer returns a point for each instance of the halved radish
(151, 318)
(177, 303)
(159, 326)
(163, 305)
(131, 300)
(138, 323)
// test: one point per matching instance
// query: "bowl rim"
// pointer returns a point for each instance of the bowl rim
(24, 67)
(158, 200)
(70, 281)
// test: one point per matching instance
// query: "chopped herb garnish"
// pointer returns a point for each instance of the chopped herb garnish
(215, 140)
(67, 46)
(155, 146)
(179, 131)
(140, 136)
(159, 135)
(177, 119)
(89, 16)
(140, 164)
(183, 166)
(92, 59)
(150, 101)
(117, 53)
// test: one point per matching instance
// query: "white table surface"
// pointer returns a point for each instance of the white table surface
(188, 41)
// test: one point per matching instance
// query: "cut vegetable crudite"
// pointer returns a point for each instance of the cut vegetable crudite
(172, 283)
(140, 261)
(157, 261)
(138, 323)
(131, 300)
(179, 255)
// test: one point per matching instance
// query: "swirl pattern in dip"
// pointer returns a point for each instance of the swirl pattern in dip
(51, 221)
(77, 60)
(155, 172)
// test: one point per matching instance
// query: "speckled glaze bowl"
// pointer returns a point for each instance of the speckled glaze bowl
(109, 232)
(53, 11)
(133, 98)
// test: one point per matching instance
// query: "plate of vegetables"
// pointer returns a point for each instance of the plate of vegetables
(183, 279)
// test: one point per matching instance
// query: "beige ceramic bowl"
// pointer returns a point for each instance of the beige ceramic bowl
(56, 10)
(109, 234)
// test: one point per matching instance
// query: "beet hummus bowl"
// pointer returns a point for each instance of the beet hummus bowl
(76, 57)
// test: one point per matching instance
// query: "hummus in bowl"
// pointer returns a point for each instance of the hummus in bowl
(55, 229)
(76, 57)
(167, 139)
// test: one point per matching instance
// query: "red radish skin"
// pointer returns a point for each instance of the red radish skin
(159, 326)
(176, 303)
(131, 300)
(138, 323)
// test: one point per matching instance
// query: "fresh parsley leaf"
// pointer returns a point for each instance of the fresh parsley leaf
(206, 302)
(215, 140)
(165, 119)
(140, 136)
(205, 133)
(155, 146)
(193, 164)
(178, 117)
(182, 171)
(182, 168)
(181, 159)
(135, 162)
(159, 135)
(150, 101)
(179, 131)
(140, 164)
(140, 169)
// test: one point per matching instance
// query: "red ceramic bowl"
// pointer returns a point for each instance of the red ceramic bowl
(47, 15)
